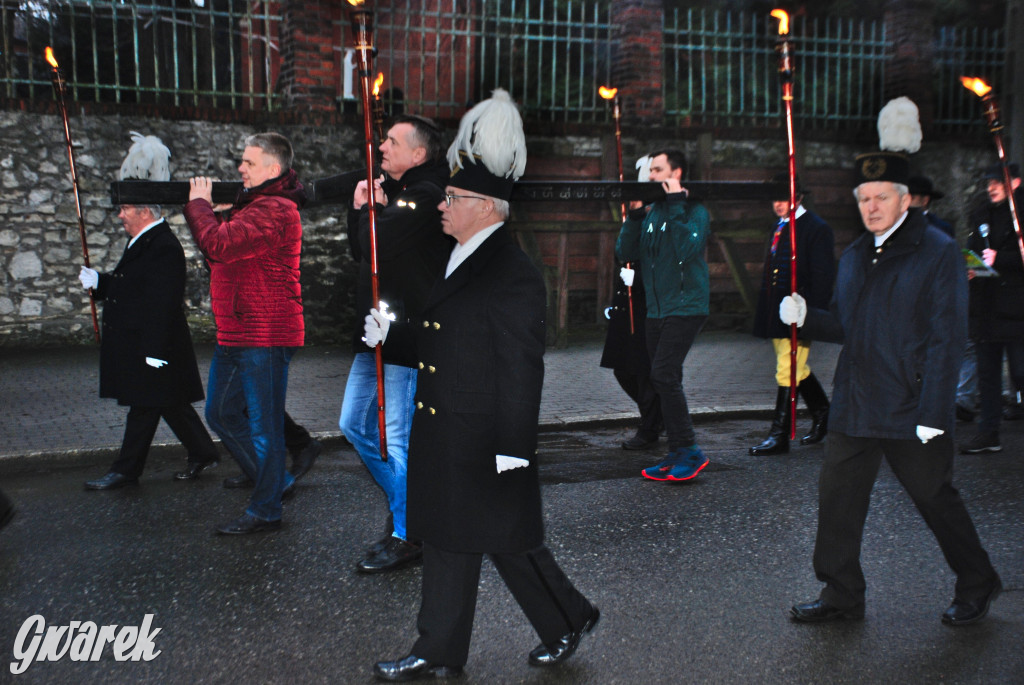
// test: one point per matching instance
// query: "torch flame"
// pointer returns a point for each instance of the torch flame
(356, 3)
(783, 18)
(378, 83)
(976, 85)
(50, 58)
(607, 93)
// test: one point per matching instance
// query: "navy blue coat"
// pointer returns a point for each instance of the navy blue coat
(815, 272)
(901, 314)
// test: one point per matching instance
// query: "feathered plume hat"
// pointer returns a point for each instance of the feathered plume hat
(147, 160)
(489, 152)
(899, 132)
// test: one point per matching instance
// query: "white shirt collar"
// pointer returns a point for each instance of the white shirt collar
(139, 234)
(879, 239)
(461, 251)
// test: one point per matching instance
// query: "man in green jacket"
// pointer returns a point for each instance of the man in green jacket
(667, 241)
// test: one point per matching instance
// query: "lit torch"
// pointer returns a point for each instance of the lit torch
(785, 49)
(378, 108)
(613, 95)
(59, 89)
(361, 19)
(988, 99)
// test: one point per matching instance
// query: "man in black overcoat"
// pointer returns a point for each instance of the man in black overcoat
(816, 271)
(900, 309)
(146, 358)
(473, 487)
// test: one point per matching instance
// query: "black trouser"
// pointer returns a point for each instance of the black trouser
(926, 471)
(296, 437)
(990, 380)
(140, 428)
(450, 580)
(668, 341)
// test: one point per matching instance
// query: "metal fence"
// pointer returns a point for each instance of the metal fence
(720, 68)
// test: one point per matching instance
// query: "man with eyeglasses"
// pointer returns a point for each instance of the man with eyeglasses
(411, 252)
(473, 483)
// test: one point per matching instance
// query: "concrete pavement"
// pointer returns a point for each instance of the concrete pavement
(52, 407)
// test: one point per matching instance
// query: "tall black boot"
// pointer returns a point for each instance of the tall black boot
(777, 441)
(817, 403)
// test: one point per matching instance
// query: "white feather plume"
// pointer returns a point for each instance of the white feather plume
(899, 128)
(644, 168)
(147, 159)
(493, 132)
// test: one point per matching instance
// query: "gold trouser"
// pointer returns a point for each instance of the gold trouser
(782, 356)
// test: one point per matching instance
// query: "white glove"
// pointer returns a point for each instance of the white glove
(377, 323)
(793, 309)
(626, 274)
(504, 462)
(155, 363)
(90, 278)
(924, 433)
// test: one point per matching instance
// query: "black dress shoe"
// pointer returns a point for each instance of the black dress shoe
(560, 650)
(638, 442)
(821, 612)
(111, 481)
(413, 668)
(395, 554)
(193, 469)
(965, 613)
(774, 444)
(302, 461)
(247, 524)
(239, 481)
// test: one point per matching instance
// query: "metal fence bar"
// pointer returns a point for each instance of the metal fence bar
(719, 66)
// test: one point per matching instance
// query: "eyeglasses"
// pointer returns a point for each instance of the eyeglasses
(448, 197)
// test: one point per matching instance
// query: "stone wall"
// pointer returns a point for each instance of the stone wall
(41, 300)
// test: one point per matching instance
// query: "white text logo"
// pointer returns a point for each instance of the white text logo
(81, 641)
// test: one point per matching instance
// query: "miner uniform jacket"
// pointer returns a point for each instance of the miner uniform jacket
(144, 316)
(815, 271)
(900, 311)
(480, 344)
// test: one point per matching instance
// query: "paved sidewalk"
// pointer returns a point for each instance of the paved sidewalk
(51, 405)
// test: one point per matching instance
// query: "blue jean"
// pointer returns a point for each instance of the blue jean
(245, 407)
(967, 387)
(358, 422)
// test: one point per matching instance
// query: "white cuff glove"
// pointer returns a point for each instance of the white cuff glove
(626, 275)
(375, 328)
(504, 462)
(924, 433)
(793, 309)
(90, 278)
(155, 363)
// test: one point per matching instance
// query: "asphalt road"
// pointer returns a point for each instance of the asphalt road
(694, 581)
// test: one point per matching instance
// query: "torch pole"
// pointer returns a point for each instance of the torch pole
(995, 127)
(59, 88)
(785, 50)
(362, 28)
(617, 116)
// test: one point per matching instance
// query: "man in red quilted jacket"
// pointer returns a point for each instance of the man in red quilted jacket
(253, 253)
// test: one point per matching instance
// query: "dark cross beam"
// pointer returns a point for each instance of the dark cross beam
(334, 190)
